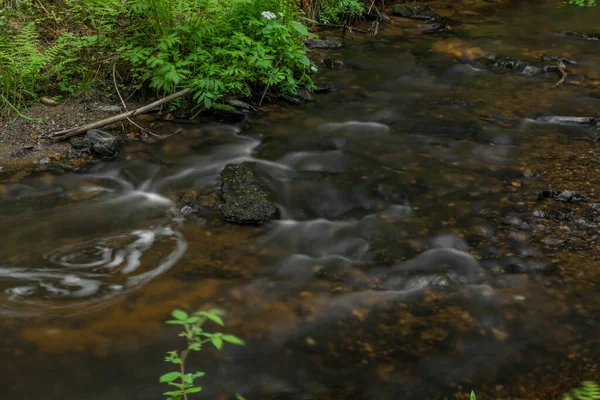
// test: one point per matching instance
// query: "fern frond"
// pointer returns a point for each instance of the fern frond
(587, 391)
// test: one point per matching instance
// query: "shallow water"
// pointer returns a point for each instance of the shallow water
(407, 262)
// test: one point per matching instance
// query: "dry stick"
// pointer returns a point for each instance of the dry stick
(68, 133)
(563, 75)
(117, 86)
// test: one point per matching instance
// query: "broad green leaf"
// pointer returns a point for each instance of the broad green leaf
(194, 389)
(179, 314)
(217, 342)
(172, 393)
(233, 339)
(192, 320)
(473, 397)
(187, 378)
(239, 397)
(198, 374)
(170, 377)
(218, 311)
(301, 29)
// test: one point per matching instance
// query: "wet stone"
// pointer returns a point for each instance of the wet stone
(413, 11)
(566, 196)
(454, 265)
(325, 88)
(79, 143)
(102, 143)
(567, 120)
(247, 197)
(242, 106)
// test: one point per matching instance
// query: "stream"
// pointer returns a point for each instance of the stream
(412, 257)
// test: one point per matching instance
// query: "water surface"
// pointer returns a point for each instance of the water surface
(407, 262)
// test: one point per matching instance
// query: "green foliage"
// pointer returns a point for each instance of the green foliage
(31, 67)
(580, 3)
(587, 391)
(472, 397)
(183, 382)
(216, 47)
(341, 11)
(21, 63)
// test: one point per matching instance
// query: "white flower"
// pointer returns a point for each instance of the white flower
(268, 15)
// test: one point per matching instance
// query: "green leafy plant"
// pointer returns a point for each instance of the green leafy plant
(586, 391)
(341, 11)
(580, 3)
(472, 397)
(183, 382)
(216, 47)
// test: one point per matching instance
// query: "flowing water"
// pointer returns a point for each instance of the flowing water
(407, 263)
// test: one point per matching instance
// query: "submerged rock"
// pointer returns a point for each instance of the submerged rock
(242, 106)
(102, 143)
(567, 120)
(567, 196)
(322, 44)
(578, 35)
(247, 197)
(433, 268)
(458, 130)
(517, 66)
(414, 12)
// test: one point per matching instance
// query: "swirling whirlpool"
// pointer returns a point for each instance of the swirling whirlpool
(94, 270)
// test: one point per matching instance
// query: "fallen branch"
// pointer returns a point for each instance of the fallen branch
(68, 133)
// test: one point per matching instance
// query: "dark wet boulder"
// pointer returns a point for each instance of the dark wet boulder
(413, 11)
(322, 44)
(247, 197)
(102, 144)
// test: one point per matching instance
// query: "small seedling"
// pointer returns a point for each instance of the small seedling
(184, 382)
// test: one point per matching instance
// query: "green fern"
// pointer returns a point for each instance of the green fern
(21, 62)
(587, 391)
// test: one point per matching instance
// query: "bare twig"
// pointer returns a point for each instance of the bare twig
(152, 133)
(68, 133)
(563, 75)
(117, 87)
